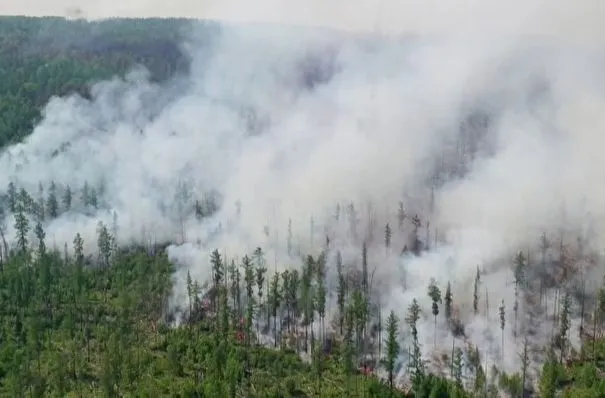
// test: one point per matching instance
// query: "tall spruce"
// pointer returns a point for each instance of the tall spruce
(501, 310)
(392, 328)
(387, 236)
(341, 291)
(435, 295)
(564, 324)
(448, 299)
(416, 363)
(476, 292)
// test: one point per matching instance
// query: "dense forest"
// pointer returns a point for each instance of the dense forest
(79, 324)
(45, 57)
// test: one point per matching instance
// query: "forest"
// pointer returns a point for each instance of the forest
(100, 322)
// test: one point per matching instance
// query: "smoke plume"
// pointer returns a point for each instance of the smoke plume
(483, 118)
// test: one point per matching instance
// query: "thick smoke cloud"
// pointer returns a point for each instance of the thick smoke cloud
(284, 123)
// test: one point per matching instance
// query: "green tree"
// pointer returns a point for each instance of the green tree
(392, 328)
(416, 362)
(52, 205)
(448, 299)
(435, 295)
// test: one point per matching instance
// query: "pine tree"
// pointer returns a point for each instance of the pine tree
(519, 281)
(416, 245)
(564, 325)
(40, 204)
(78, 250)
(448, 302)
(502, 323)
(476, 292)
(416, 362)
(321, 297)
(387, 236)
(12, 197)
(190, 293)
(458, 366)
(21, 226)
(341, 291)
(392, 328)
(364, 269)
(524, 356)
(261, 270)
(217, 279)
(67, 198)
(307, 297)
(104, 243)
(40, 235)
(236, 289)
(52, 205)
(275, 297)
(435, 295)
(249, 279)
(347, 346)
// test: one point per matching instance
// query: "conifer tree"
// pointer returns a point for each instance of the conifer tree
(21, 225)
(261, 270)
(364, 269)
(519, 281)
(502, 323)
(104, 243)
(416, 362)
(341, 291)
(458, 366)
(347, 346)
(236, 289)
(293, 289)
(40, 204)
(307, 297)
(67, 198)
(392, 328)
(190, 292)
(416, 244)
(217, 279)
(476, 292)
(275, 297)
(448, 299)
(564, 325)
(52, 205)
(435, 295)
(40, 235)
(249, 282)
(387, 236)
(12, 197)
(321, 297)
(524, 356)
(78, 250)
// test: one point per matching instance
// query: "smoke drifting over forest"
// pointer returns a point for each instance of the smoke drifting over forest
(491, 140)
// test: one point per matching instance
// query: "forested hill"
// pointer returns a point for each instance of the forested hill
(42, 57)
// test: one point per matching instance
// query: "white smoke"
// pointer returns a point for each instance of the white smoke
(249, 126)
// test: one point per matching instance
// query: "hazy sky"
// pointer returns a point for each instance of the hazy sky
(572, 19)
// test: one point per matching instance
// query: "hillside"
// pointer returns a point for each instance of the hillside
(44, 57)
(133, 263)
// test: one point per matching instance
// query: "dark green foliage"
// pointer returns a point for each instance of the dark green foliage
(44, 57)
